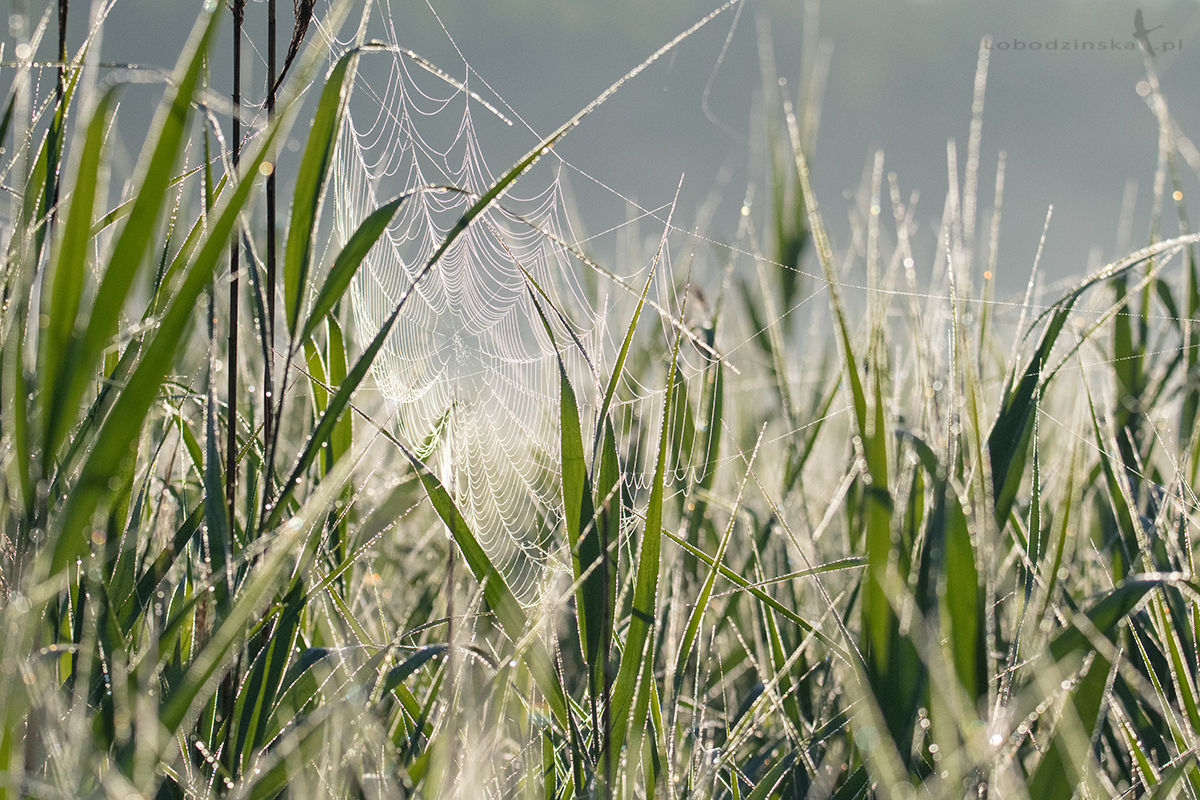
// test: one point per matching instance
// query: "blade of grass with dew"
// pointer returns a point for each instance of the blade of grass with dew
(310, 739)
(579, 518)
(187, 249)
(288, 547)
(781, 670)
(155, 168)
(1116, 497)
(610, 502)
(645, 593)
(347, 262)
(964, 602)
(877, 613)
(1165, 788)
(1181, 676)
(763, 597)
(121, 427)
(1055, 777)
(218, 541)
(133, 608)
(770, 782)
(619, 366)
(399, 673)
(67, 287)
(1128, 369)
(6, 120)
(342, 437)
(318, 381)
(1008, 441)
(503, 602)
(38, 206)
(310, 183)
(1105, 613)
(702, 599)
(712, 405)
(14, 414)
(122, 210)
(262, 687)
(327, 423)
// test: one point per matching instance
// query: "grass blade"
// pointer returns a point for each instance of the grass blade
(310, 184)
(67, 288)
(645, 593)
(495, 590)
(129, 252)
(124, 422)
(348, 261)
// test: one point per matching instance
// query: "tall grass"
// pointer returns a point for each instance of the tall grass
(947, 558)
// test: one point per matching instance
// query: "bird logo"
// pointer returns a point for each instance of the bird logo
(1142, 33)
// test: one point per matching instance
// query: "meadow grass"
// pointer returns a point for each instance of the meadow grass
(947, 556)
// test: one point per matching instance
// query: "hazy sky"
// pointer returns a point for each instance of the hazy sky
(900, 79)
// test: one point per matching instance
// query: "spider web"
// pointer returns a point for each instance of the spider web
(470, 371)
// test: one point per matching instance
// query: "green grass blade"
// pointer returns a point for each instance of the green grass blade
(610, 503)
(1008, 441)
(770, 782)
(619, 366)
(855, 787)
(1165, 788)
(645, 593)
(290, 548)
(1057, 776)
(67, 287)
(140, 599)
(270, 574)
(763, 597)
(503, 602)
(701, 605)
(121, 210)
(310, 185)
(216, 513)
(712, 425)
(1104, 615)
(328, 422)
(877, 613)
(14, 414)
(124, 422)
(1116, 495)
(262, 690)
(6, 120)
(579, 517)
(129, 252)
(348, 261)
(965, 603)
(162, 292)
(399, 673)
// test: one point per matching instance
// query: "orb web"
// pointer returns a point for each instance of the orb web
(469, 369)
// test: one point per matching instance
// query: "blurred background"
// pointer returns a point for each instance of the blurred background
(1076, 131)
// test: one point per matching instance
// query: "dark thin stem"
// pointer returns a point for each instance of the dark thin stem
(227, 689)
(59, 90)
(269, 327)
(63, 7)
(234, 265)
